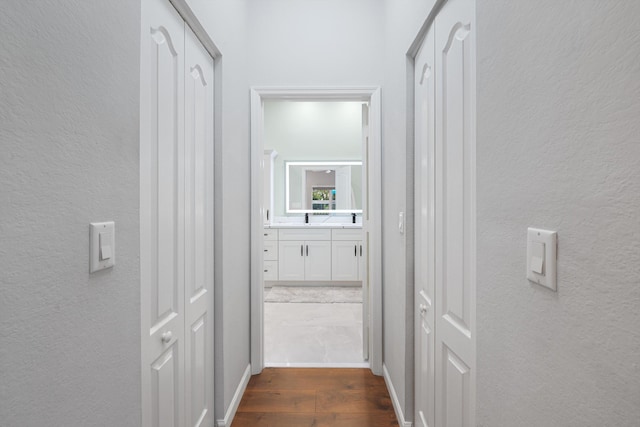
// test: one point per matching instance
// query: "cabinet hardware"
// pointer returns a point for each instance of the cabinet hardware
(301, 250)
(360, 250)
(355, 250)
(307, 250)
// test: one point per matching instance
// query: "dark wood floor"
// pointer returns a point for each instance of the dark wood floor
(315, 397)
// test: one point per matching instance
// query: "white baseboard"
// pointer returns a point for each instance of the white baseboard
(394, 399)
(237, 397)
(316, 365)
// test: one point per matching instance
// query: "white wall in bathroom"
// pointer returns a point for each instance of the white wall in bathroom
(310, 131)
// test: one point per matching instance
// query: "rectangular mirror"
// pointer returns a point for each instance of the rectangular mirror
(332, 187)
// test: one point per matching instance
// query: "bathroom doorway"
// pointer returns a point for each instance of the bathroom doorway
(315, 284)
(312, 173)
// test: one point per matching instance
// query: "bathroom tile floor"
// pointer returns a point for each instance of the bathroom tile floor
(313, 334)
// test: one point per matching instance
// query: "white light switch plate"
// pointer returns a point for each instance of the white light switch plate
(542, 248)
(102, 246)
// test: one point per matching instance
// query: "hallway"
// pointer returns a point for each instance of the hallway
(536, 130)
(306, 397)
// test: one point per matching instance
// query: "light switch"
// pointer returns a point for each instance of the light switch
(102, 238)
(537, 257)
(105, 246)
(541, 257)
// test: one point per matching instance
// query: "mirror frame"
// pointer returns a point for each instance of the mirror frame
(287, 164)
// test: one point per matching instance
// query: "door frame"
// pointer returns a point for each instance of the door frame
(365, 94)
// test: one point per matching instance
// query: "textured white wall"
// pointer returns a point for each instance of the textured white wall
(310, 131)
(69, 109)
(558, 148)
(225, 22)
(315, 43)
(403, 20)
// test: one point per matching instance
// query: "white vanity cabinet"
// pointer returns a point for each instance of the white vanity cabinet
(304, 255)
(313, 254)
(270, 256)
(347, 254)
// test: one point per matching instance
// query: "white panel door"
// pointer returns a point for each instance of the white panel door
(161, 215)
(345, 260)
(455, 214)
(291, 260)
(317, 264)
(425, 233)
(198, 233)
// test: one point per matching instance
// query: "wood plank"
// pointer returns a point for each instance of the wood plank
(315, 378)
(278, 401)
(373, 400)
(315, 397)
(271, 419)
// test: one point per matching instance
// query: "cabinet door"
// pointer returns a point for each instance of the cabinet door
(291, 260)
(345, 257)
(270, 251)
(270, 270)
(317, 264)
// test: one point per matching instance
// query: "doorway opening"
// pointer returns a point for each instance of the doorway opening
(313, 301)
(315, 247)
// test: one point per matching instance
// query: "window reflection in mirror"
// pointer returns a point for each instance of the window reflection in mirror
(334, 187)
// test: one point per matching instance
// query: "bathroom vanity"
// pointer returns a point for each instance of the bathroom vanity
(313, 253)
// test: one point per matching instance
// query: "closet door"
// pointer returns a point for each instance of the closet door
(162, 215)
(455, 214)
(198, 71)
(425, 233)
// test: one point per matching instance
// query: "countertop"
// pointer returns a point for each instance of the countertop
(313, 225)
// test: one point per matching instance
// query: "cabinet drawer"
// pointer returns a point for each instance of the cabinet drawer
(346, 234)
(270, 270)
(270, 251)
(304, 234)
(270, 234)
